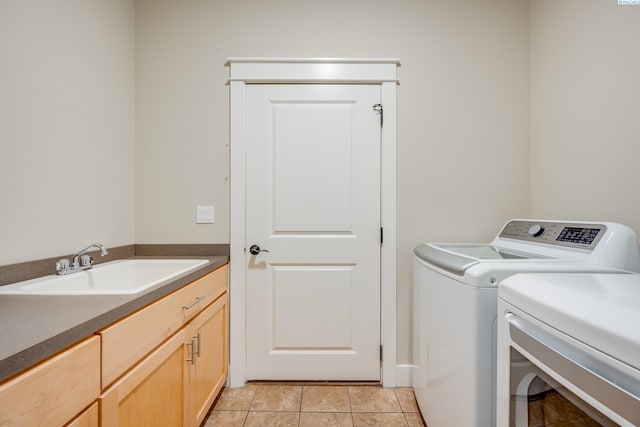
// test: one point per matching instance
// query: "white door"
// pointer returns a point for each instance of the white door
(313, 202)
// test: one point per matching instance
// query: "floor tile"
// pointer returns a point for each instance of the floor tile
(556, 409)
(535, 413)
(414, 419)
(373, 399)
(316, 405)
(324, 419)
(226, 419)
(272, 419)
(277, 398)
(325, 398)
(407, 399)
(379, 419)
(235, 399)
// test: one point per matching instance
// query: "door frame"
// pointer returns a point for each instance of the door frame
(245, 71)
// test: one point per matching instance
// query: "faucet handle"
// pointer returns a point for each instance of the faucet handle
(62, 265)
(86, 260)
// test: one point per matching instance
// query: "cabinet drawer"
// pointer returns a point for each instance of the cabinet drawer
(55, 391)
(126, 342)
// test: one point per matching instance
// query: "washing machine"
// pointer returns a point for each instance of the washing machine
(455, 305)
(579, 335)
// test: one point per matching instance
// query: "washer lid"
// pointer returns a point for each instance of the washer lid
(600, 310)
(458, 257)
(483, 251)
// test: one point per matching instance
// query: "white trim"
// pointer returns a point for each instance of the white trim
(328, 70)
(388, 255)
(237, 298)
(316, 81)
(312, 71)
(286, 60)
(404, 375)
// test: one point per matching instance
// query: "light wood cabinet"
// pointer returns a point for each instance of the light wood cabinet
(161, 366)
(126, 342)
(178, 381)
(88, 418)
(55, 391)
(207, 369)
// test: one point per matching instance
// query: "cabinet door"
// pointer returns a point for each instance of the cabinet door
(209, 338)
(88, 418)
(152, 393)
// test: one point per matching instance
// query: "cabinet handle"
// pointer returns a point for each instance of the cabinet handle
(194, 302)
(197, 338)
(193, 357)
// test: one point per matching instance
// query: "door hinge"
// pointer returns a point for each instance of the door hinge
(381, 353)
(381, 235)
(378, 108)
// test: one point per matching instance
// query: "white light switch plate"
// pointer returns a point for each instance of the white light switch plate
(204, 214)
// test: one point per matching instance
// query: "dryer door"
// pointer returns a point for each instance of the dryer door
(573, 382)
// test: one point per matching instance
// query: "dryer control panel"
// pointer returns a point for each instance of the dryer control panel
(566, 234)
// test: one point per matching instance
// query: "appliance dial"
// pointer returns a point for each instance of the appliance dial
(536, 230)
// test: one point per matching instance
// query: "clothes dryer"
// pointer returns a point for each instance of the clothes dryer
(578, 335)
(455, 305)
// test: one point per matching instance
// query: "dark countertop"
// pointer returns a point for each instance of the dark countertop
(35, 327)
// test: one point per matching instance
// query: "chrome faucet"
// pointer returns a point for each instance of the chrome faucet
(80, 261)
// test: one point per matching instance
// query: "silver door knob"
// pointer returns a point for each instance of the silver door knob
(255, 250)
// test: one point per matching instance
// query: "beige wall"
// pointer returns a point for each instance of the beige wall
(66, 126)
(463, 110)
(585, 103)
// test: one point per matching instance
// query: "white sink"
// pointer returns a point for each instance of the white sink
(111, 278)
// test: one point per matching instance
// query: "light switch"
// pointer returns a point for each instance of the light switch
(204, 214)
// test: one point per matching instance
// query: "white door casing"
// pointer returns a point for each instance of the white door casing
(246, 71)
(313, 201)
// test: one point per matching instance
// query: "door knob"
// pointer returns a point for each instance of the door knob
(255, 250)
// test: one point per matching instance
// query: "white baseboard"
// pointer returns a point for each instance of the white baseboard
(404, 375)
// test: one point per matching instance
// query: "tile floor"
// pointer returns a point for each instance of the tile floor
(314, 405)
(553, 409)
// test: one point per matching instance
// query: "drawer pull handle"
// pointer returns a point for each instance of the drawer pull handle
(197, 338)
(193, 357)
(195, 301)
